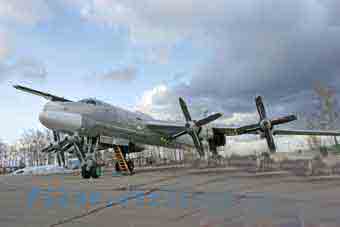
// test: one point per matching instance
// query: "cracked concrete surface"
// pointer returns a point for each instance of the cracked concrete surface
(171, 198)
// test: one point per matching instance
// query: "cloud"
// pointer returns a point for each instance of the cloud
(23, 68)
(4, 46)
(127, 14)
(28, 12)
(274, 48)
(147, 103)
(29, 68)
(277, 49)
(11, 67)
(156, 38)
(333, 8)
(127, 74)
(162, 102)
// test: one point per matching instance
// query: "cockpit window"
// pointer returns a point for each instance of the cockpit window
(89, 101)
(95, 102)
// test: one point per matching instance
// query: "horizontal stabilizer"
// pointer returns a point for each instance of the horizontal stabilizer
(306, 132)
(41, 94)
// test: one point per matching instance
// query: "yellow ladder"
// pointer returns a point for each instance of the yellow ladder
(123, 166)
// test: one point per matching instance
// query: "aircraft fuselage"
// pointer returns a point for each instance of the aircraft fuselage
(90, 119)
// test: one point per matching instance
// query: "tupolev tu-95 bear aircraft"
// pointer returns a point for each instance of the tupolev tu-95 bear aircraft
(92, 125)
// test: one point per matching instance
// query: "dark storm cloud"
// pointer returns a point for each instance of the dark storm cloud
(278, 49)
(333, 7)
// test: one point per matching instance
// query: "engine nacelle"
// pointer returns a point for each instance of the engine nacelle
(218, 139)
(262, 135)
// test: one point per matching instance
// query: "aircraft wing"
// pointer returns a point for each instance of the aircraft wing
(306, 132)
(41, 94)
(227, 131)
(168, 128)
(249, 129)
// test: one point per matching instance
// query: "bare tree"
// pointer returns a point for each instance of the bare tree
(3, 146)
(314, 142)
(34, 140)
(325, 114)
(3, 150)
(329, 116)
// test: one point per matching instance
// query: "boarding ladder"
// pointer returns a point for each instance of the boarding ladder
(123, 166)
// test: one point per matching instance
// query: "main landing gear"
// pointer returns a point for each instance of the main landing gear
(88, 172)
(88, 158)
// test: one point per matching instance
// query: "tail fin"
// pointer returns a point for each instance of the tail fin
(41, 94)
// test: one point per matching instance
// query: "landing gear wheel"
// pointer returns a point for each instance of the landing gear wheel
(84, 173)
(131, 165)
(94, 173)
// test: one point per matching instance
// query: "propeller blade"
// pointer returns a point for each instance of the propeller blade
(59, 159)
(248, 129)
(48, 149)
(208, 119)
(62, 155)
(198, 143)
(185, 110)
(56, 137)
(67, 146)
(270, 140)
(283, 120)
(56, 148)
(260, 108)
(178, 134)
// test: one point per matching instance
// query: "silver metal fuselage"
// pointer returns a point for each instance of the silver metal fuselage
(105, 120)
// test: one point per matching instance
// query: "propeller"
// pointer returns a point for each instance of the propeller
(193, 127)
(58, 149)
(61, 146)
(266, 125)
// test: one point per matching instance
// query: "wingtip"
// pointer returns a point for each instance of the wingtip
(182, 102)
(181, 99)
(293, 117)
(219, 115)
(16, 86)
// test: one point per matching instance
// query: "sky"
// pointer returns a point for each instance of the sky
(143, 55)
